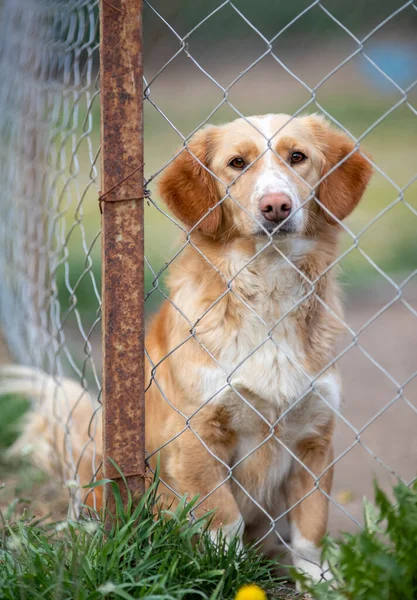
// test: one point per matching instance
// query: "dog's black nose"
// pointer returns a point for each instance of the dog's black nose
(275, 207)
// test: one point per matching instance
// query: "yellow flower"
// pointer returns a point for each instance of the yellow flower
(250, 592)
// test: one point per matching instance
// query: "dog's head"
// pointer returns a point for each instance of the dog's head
(266, 175)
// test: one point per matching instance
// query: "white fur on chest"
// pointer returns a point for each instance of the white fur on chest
(265, 355)
(261, 363)
(261, 368)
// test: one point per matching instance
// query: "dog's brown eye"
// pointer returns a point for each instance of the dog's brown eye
(297, 157)
(237, 163)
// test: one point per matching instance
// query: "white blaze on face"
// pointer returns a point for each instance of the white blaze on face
(273, 179)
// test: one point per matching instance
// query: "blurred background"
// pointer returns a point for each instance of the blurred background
(208, 61)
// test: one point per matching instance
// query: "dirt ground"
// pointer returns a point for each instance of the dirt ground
(376, 435)
(385, 427)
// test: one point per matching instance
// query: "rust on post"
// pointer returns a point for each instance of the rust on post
(122, 243)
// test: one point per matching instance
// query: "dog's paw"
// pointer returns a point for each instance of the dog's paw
(313, 571)
(232, 531)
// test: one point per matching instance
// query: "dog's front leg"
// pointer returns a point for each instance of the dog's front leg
(308, 495)
(200, 468)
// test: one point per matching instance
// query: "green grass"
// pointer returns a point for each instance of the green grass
(165, 557)
(380, 562)
(147, 553)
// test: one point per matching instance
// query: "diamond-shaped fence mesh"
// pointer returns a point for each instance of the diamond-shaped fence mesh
(247, 380)
(50, 297)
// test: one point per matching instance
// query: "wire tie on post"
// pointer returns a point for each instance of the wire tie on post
(112, 6)
(102, 196)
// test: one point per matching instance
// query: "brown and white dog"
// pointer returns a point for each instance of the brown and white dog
(242, 384)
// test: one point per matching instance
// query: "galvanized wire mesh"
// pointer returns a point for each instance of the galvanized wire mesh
(49, 148)
(49, 181)
(182, 48)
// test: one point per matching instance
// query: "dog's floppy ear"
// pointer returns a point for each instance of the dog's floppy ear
(189, 189)
(342, 189)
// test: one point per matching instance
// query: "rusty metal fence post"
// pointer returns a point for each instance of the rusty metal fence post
(121, 202)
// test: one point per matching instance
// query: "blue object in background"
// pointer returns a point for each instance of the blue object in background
(398, 61)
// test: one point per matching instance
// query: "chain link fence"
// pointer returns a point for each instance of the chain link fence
(195, 74)
(50, 225)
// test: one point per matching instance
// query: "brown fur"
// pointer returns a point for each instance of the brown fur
(189, 189)
(316, 454)
(342, 189)
(221, 377)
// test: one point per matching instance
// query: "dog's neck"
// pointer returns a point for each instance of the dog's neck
(226, 288)
(250, 270)
(308, 258)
